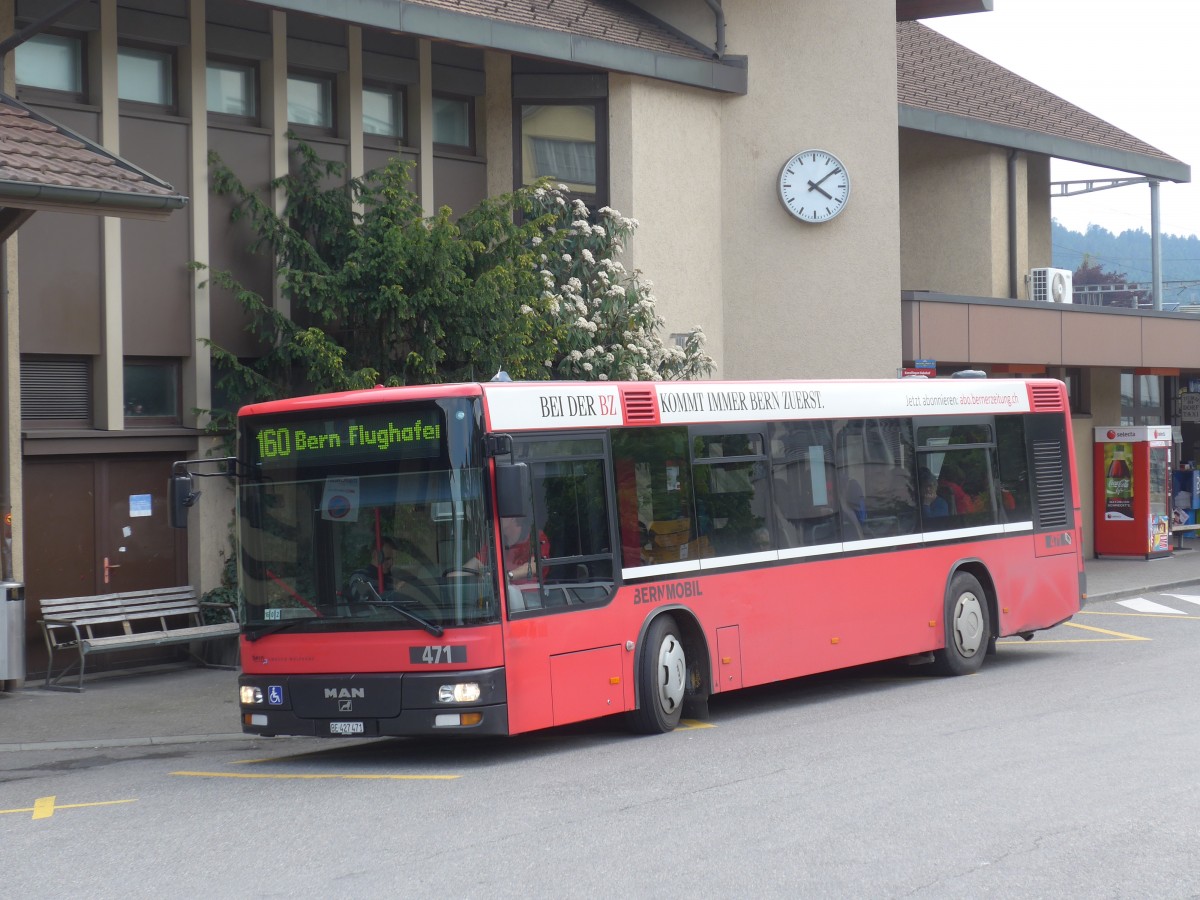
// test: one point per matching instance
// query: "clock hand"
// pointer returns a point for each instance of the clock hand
(823, 177)
(817, 187)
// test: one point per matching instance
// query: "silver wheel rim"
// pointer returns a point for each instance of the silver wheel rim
(672, 672)
(968, 624)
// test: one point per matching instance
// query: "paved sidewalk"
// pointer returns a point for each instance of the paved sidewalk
(191, 705)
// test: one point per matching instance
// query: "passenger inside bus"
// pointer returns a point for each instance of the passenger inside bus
(519, 566)
(932, 506)
(378, 573)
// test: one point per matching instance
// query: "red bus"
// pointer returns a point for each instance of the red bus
(502, 557)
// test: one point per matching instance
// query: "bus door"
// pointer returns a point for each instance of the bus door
(558, 569)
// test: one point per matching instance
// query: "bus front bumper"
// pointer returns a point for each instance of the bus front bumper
(388, 705)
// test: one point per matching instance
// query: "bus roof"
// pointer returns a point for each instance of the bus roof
(540, 405)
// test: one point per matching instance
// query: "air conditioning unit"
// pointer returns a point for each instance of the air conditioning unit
(1050, 285)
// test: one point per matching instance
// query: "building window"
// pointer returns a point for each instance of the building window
(232, 89)
(454, 123)
(146, 76)
(151, 392)
(51, 62)
(565, 142)
(310, 101)
(1078, 390)
(383, 111)
(1141, 399)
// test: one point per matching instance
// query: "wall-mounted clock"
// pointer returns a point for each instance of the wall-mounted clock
(814, 186)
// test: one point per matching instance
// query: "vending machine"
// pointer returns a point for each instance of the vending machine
(1132, 477)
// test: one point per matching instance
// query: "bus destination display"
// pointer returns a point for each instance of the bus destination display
(383, 436)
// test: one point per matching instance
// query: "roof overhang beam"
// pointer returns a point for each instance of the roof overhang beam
(33, 197)
(907, 10)
(728, 75)
(967, 128)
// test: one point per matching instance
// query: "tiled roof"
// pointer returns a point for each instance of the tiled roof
(936, 74)
(43, 165)
(606, 20)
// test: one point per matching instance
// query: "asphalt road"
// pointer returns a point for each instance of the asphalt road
(1063, 769)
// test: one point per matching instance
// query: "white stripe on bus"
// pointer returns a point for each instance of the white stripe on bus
(742, 559)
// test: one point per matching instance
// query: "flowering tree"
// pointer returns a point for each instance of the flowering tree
(381, 294)
(607, 324)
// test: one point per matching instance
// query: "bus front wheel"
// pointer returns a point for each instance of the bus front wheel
(662, 679)
(968, 629)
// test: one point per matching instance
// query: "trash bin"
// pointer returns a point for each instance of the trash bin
(12, 635)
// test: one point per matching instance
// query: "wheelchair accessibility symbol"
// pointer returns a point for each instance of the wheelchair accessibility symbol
(275, 695)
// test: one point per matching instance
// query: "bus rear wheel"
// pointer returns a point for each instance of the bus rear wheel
(968, 629)
(662, 679)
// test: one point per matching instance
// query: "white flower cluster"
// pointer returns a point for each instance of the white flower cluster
(604, 315)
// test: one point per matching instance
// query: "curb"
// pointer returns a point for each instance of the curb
(127, 742)
(1133, 592)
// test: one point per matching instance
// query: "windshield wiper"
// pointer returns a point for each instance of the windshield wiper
(435, 630)
(274, 629)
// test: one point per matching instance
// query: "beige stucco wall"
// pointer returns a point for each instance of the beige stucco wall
(953, 220)
(666, 172)
(1039, 251)
(954, 216)
(829, 290)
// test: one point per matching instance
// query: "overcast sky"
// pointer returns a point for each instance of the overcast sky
(1134, 64)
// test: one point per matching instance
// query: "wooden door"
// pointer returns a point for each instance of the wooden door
(95, 526)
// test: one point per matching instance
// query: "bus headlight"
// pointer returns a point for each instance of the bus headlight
(467, 692)
(251, 696)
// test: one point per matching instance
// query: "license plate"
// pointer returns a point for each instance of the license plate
(345, 727)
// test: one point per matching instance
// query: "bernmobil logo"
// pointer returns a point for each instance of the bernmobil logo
(344, 693)
(1059, 539)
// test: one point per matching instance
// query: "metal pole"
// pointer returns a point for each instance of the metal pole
(1155, 246)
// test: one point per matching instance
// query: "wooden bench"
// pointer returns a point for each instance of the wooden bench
(1178, 531)
(127, 621)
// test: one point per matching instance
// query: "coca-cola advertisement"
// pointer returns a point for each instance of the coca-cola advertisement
(1118, 482)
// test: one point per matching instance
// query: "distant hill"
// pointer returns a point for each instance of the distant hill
(1129, 253)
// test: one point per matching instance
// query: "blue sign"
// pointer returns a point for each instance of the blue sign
(925, 364)
(275, 695)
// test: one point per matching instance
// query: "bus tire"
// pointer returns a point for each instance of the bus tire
(662, 679)
(968, 629)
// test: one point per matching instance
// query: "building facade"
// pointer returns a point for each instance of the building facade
(679, 113)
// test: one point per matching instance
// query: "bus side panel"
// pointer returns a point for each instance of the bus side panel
(1039, 592)
(824, 615)
(560, 667)
(791, 620)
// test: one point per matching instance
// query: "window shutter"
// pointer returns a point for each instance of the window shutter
(56, 387)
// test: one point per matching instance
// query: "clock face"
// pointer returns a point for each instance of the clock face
(814, 186)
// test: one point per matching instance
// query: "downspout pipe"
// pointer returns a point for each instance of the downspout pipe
(1013, 274)
(6, 560)
(719, 13)
(1155, 247)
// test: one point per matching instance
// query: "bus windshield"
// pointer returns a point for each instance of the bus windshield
(367, 518)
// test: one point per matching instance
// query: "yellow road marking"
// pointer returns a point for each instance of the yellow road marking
(1113, 636)
(45, 807)
(690, 724)
(318, 777)
(1128, 637)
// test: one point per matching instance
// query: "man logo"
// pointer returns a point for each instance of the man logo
(345, 693)
(345, 706)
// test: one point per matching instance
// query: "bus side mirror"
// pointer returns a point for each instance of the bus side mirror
(513, 491)
(179, 497)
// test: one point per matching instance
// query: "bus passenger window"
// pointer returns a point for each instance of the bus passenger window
(806, 504)
(1013, 469)
(655, 507)
(876, 477)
